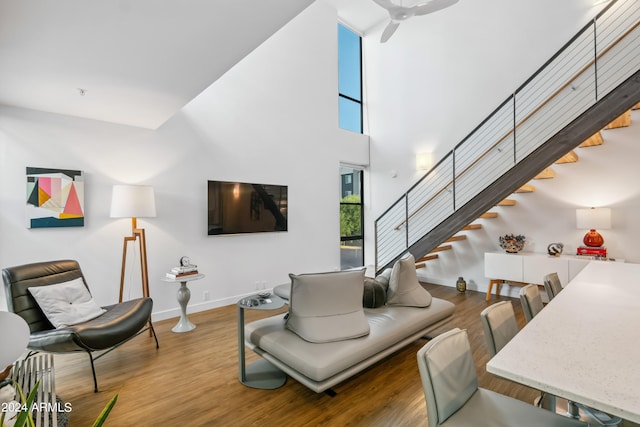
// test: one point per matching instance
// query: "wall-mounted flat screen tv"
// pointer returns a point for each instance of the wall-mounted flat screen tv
(240, 207)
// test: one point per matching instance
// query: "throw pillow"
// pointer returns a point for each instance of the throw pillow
(383, 279)
(325, 307)
(374, 294)
(66, 303)
(404, 288)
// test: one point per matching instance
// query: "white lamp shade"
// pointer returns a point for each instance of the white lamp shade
(593, 218)
(14, 336)
(133, 201)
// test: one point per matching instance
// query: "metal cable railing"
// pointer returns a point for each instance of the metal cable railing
(594, 62)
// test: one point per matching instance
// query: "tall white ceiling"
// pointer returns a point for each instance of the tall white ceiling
(137, 61)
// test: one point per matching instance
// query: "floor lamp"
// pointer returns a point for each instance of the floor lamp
(134, 201)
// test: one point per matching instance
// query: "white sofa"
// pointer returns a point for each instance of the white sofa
(321, 365)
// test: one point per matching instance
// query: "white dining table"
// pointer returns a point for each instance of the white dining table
(584, 345)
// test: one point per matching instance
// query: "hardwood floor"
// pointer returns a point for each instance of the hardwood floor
(193, 379)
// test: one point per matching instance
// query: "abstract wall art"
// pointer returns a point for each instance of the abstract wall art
(55, 198)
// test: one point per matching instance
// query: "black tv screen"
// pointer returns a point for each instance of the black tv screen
(240, 207)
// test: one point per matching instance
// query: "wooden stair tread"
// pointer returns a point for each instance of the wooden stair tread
(472, 227)
(623, 121)
(421, 265)
(442, 248)
(427, 258)
(456, 238)
(507, 202)
(593, 140)
(636, 107)
(570, 157)
(527, 188)
(489, 215)
(546, 174)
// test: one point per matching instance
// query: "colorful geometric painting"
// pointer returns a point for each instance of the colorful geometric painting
(55, 198)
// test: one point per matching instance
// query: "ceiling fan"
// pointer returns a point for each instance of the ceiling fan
(399, 13)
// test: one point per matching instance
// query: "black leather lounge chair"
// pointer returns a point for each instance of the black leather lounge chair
(118, 324)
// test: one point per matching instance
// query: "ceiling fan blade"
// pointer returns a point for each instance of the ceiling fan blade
(432, 6)
(388, 32)
(385, 4)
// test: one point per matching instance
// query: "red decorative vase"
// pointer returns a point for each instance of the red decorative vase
(593, 239)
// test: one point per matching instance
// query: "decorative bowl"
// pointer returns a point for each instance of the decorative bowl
(512, 243)
(555, 249)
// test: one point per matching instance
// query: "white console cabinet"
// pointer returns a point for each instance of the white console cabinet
(529, 267)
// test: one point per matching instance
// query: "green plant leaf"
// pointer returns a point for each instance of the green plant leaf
(105, 412)
(25, 417)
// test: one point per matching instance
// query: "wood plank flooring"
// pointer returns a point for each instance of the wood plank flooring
(193, 379)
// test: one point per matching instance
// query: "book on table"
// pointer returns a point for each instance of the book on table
(173, 275)
(184, 269)
(600, 251)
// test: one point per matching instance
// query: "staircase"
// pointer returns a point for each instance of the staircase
(591, 81)
(595, 140)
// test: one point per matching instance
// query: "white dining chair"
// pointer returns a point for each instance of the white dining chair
(552, 285)
(453, 398)
(499, 325)
(531, 301)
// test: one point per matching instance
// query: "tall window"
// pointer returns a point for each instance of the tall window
(349, 79)
(351, 218)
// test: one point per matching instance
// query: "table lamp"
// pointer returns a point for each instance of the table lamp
(591, 219)
(134, 201)
(14, 337)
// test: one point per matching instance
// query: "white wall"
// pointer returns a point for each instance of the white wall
(436, 79)
(271, 119)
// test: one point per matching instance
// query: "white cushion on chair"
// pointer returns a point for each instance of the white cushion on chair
(66, 303)
(488, 408)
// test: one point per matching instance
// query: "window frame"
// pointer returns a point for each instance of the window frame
(347, 97)
(360, 236)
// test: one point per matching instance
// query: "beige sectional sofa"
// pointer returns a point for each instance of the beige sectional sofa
(325, 339)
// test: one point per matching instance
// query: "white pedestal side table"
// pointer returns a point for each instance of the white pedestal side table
(260, 374)
(183, 296)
